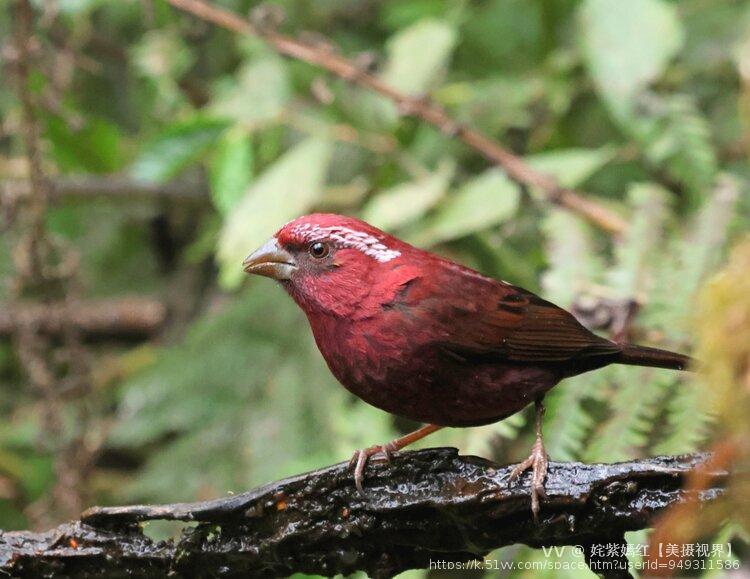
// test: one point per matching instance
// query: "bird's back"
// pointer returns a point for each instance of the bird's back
(453, 347)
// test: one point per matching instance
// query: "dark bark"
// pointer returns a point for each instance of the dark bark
(429, 505)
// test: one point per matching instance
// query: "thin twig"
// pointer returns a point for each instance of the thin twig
(424, 109)
(39, 194)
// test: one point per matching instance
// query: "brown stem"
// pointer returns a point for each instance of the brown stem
(112, 186)
(428, 111)
(121, 318)
(36, 202)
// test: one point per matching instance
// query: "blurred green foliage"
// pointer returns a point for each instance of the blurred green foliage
(643, 103)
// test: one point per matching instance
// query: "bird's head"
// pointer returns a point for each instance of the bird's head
(334, 264)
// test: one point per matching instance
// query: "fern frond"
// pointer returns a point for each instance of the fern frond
(687, 418)
(676, 137)
(685, 145)
(638, 396)
(567, 422)
(574, 264)
(628, 276)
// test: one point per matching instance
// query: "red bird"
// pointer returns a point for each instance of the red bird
(422, 337)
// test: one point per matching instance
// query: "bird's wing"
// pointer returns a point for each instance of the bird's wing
(483, 318)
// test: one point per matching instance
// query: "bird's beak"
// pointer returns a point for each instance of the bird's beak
(270, 260)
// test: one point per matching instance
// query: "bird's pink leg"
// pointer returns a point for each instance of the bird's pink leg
(537, 462)
(360, 458)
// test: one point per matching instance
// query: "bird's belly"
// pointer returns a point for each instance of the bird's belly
(455, 396)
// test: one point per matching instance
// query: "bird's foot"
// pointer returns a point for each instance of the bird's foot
(360, 458)
(537, 462)
(359, 461)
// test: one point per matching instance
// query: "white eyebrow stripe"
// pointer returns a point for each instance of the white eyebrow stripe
(368, 244)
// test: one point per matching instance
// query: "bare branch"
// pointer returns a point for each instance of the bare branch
(112, 186)
(129, 317)
(429, 505)
(431, 113)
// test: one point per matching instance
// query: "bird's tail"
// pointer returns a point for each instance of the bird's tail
(655, 358)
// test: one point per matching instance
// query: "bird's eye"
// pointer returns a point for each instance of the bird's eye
(319, 249)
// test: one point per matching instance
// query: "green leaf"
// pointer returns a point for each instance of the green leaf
(505, 35)
(571, 167)
(407, 202)
(257, 95)
(417, 54)
(627, 45)
(482, 202)
(75, 7)
(398, 15)
(95, 147)
(477, 100)
(231, 169)
(284, 191)
(176, 148)
(162, 54)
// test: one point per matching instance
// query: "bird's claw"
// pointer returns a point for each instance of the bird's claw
(359, 461)
(537, 462)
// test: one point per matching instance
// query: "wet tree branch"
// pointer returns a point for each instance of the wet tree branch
(325, 57)
(428, 506)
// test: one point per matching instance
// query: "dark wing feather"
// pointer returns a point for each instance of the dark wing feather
(492, 320)
(545, 332)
